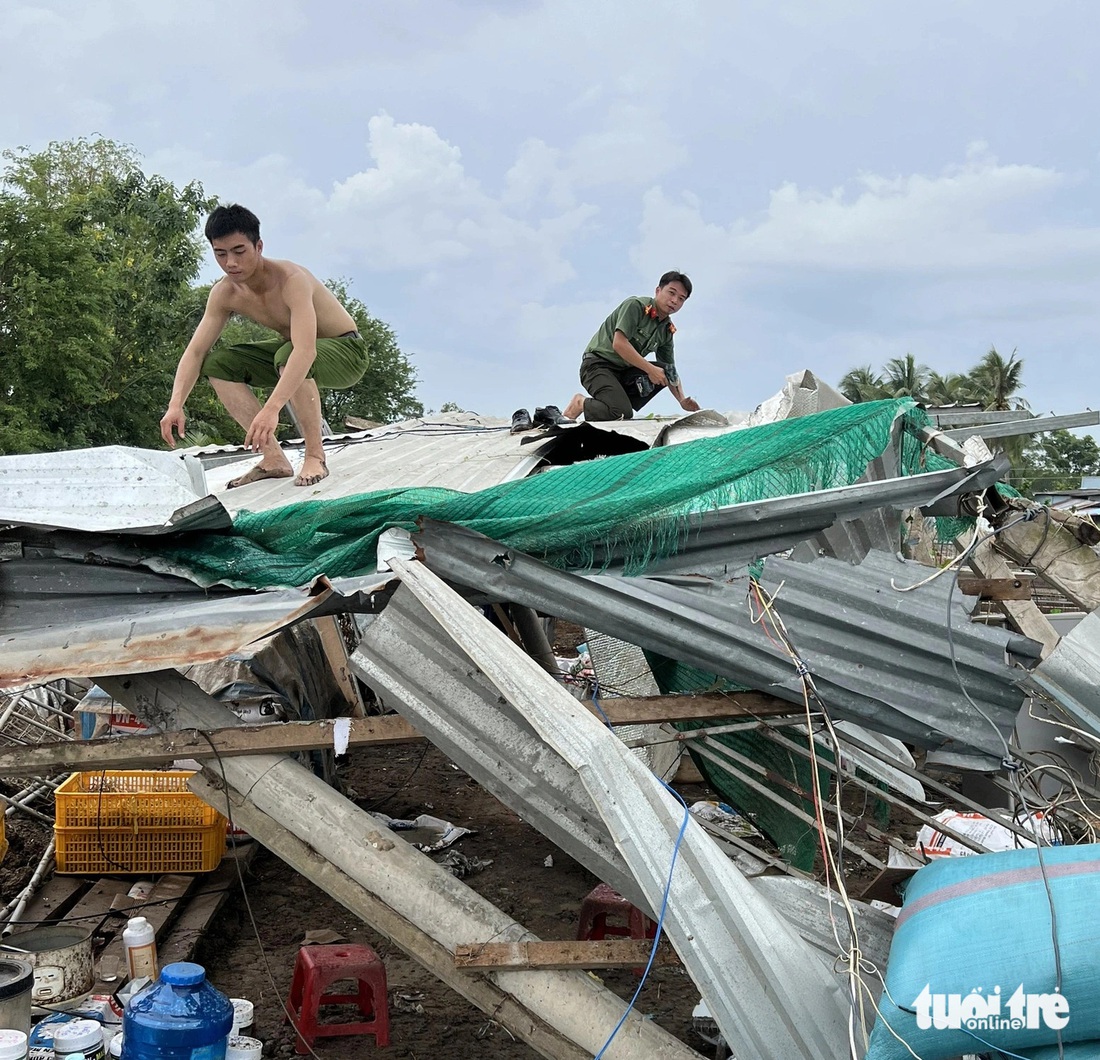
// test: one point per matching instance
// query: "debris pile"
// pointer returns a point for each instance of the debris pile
(752, 594)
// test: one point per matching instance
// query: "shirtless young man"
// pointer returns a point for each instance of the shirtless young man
(319, 345)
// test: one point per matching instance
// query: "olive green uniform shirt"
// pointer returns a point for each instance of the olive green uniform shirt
(646, 334)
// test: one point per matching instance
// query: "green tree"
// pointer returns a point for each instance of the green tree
(96, 260)
(1056, 461)
(862, 384)
(996, 381)
(955, 388)
(903, 377)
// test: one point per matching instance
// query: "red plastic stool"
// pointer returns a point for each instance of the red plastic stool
(603, 903)
(317, 968)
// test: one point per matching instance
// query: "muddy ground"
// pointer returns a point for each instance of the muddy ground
(428, 1020)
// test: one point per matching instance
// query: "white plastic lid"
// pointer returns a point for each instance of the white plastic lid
(13, 1045)
(77, 1036)
(115, 1048)
(244, 1012)
(241, 1047)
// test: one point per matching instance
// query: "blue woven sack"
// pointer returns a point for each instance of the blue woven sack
(972, 965)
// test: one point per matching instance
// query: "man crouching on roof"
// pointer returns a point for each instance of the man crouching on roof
(614, 369)
(319, 346)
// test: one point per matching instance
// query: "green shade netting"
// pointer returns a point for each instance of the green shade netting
(639, 503)
(795, 838)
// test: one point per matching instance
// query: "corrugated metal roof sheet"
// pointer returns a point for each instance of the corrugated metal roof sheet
(418, 669)
(1070, 675)
(766, 988)
(114, 488)
(878, 657)
(64, 618)
(727, 537)
(456, 451)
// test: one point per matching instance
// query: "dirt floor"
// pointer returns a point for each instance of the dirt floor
(427, 1018)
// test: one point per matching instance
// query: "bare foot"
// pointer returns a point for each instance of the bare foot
(258, 473)
(574, 408)
(314, 470)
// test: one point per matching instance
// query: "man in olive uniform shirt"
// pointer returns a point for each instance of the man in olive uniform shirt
(614, 369)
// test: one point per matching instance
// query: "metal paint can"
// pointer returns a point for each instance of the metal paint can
(16, 981)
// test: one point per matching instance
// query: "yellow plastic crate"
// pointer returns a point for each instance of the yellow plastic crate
(135, 821)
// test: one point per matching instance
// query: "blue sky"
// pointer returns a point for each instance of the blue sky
(845, 181)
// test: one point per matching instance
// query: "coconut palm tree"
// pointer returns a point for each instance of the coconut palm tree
(862, 384)
(903, 377)
(997, 380)
(955, 388)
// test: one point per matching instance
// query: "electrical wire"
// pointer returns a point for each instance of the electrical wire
(660, 920)
(780, 636)
(664, 900)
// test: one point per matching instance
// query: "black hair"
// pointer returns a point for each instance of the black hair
(676, 277)
(225, 220)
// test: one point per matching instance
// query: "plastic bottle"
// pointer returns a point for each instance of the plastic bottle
(79, 1038)
(13, 1045)
(179, 1017)
(140, 940)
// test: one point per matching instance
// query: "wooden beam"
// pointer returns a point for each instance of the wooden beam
(602, 953)
(1024, 615)
(159, 748)
(332, 643)
(1061, 551)
(1014, 588)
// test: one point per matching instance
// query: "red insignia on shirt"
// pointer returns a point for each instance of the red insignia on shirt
(651, 312)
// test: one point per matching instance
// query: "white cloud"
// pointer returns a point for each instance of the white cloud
(978, 215)
(633, 147)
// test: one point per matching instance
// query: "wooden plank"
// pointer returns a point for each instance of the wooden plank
(1024, 615)
(95, 906)
(155, 748)
(599, 953)
(332, 643)
(53, 900)
(202, 903)
(157, 908)
(1015, 588)
(159, 748)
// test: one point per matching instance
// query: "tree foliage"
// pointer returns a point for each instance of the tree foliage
(993, 383)
(96, 260)
(386, 392)
(1057, 461)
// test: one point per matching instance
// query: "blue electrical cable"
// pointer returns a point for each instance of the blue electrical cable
(660, 918)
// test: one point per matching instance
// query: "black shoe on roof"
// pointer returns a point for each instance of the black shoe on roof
(549, 416)
(521, 421)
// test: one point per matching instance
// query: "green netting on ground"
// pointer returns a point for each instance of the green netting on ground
(795, 838)
(640, 503)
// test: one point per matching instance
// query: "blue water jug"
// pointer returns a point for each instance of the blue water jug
(179, 1017)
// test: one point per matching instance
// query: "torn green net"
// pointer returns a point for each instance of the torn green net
(640, 504)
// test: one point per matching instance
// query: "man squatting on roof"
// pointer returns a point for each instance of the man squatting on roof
(320, 346)
(614, 369)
